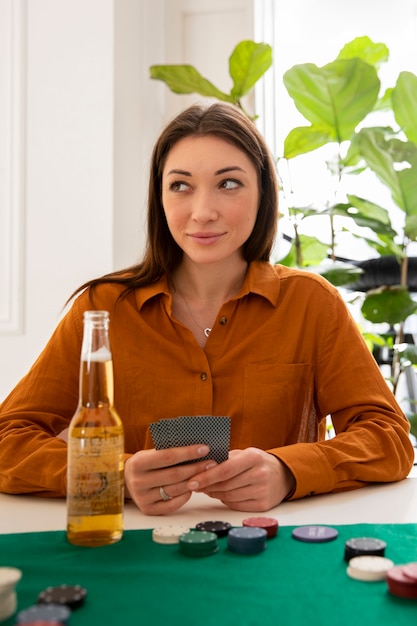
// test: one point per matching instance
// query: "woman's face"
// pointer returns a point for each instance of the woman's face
(210, 195)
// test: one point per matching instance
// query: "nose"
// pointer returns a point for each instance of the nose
(204, 207)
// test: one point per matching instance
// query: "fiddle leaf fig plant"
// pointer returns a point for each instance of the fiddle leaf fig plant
(340, 101)
(247, 64)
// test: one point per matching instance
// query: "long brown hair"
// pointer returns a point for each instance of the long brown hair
(162, 254)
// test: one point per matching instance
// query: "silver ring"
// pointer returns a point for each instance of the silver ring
(165, 497)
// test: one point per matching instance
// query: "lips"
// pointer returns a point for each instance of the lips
(205, 238)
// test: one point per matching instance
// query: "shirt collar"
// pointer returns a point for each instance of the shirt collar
(261, 279)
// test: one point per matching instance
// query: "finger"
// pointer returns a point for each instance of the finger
(149, 460)
(214, 475)
(173, 456)
(161, 507)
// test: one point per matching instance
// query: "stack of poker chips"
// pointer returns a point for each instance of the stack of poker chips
(54, 606)
(198, 543)
(9, 577)
(402, 580)
(247, 540)
(364, 546)
(202, 540)
(270, 524)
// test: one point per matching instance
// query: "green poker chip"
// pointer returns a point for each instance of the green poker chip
(198, 543)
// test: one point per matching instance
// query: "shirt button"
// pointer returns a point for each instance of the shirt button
(223, 321)
(203, 376)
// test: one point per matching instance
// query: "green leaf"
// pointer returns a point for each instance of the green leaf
(375, 151)
(304, 139)
(410, 228)
(384, 103)
(364, 48)
(248, 62)
(335, 98)
(384, 246)
(382, 155)
(388, 304)
(404, 104)
(184, 79)
(413, 424)
(408, 184)
(340, 274)
(366, 214)
(409, 353)
(313, 252)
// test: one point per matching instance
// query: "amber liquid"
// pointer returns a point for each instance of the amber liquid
(95, 464)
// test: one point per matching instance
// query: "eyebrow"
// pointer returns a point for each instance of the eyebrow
(224, 170)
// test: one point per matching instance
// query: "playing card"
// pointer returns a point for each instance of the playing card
(212, 430)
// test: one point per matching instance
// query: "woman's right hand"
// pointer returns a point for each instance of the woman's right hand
(147, 471)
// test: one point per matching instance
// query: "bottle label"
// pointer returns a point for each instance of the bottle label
(95, 476)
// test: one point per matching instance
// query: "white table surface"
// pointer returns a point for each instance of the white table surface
(379, 503)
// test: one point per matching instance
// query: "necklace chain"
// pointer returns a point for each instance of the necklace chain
(206, 330)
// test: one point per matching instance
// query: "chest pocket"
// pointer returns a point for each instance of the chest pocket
(278, 407)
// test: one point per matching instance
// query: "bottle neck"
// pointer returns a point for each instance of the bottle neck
(96, 368)
(96, 384)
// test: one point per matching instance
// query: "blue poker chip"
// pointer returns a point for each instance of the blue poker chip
(45, 612)
(315, 534)
(247, 540)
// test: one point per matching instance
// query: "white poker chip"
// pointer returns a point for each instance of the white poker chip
(169, 534)
(369, 568)
(8, 605)
(9, 577)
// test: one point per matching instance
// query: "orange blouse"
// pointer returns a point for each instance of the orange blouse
(282, 355)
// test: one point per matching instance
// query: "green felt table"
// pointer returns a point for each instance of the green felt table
(137, 581)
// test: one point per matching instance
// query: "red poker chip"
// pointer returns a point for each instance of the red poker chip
(270, 524)
(399, 584)
(410, 570)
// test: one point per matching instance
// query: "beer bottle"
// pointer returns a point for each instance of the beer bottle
(95, 445)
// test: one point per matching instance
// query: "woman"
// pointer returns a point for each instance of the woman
(205, 325)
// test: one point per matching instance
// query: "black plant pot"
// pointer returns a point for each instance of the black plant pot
(384, 270)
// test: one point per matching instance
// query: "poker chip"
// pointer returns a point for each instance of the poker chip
(42, 622)
(369, 568)
(220, 528)
(8, 605)
(315, 534)
(364, 546)
(9, 577)
(270, 524)
(198, 543)
(46, 612)
(169, 534)
(410, 570)
(399, 584)
(71, 596)
(247, 540)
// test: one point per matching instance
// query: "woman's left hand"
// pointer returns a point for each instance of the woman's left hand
(250, 480)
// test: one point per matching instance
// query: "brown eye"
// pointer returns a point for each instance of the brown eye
(230, 183)
(178, 186)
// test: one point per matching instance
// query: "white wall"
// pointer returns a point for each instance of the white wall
(60, 54)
